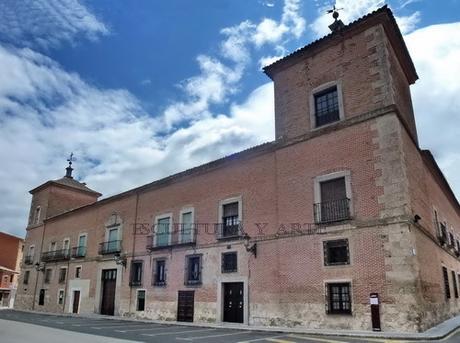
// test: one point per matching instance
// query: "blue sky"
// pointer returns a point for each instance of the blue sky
(140, 90)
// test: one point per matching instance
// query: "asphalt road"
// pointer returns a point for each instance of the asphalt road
(43, 328)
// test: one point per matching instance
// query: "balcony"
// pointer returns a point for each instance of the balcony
(332, 211)
(110, 247)
(442, 234)
(182, 234)
(56, 255)
(226, 231)
(78, 252)
(29, 260)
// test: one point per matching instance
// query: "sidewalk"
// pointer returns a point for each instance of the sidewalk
(435, 333)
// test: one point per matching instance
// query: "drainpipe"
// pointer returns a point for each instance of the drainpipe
(133, 250)
(39, 258)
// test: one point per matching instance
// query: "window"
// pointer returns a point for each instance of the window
(186, 234)
(454, 281)
(451, 240)
(66, 247)
(162, 232)
(333, 203)
(81, 248)
(159, 275)
(30, 256)
(140, 300)
(136, 273)
(53, 246)
(443, 233)
(446, 282)
(48, 275)
(61, 297)
(112, 240)
(11, 278)
(37, 215)
(62, 275)
(339, 298)
(326, 106)
(25, 281)
(229, 262)
(77, 272)
(193, 270)
(41, 298)
(230, 220)
(336, 252)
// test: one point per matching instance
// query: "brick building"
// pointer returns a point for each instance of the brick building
(295, 232)
(10, 263)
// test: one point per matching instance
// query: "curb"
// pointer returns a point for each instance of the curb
(313, 332)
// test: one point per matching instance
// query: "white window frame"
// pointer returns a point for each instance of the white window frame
(55, 246)
(67, 239)
(66, 274)
(332, 176)
(110, 228)
(31, 247)
(320, 88)
(159, 217)
(238, 199)
(182, 212)
(86, 239)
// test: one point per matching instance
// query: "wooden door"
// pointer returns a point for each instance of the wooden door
(41, 298)
(109, 281)
(233, 302)
(185, 306)
(76, 301)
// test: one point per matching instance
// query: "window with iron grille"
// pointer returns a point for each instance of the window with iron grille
(62, 275)
(339, 298)
(77, 272)
(25, 281)
(229, 262)
(445, 275)
(230, 220)
(136, 273)
(326, 106)
(140, 300)
(334, 205)
(159, 275)
(193, 270)
(336, 252)
(61, 297)
(451, 239)
(48, 275)
(454, 282)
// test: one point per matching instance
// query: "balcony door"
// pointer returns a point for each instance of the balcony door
(334, 203)
(112, 240)
(81, 250)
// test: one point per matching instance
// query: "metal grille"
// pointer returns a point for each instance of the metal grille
(339, 298)
(454, 279)
(327, 106)
(336, 252)
(159, 278)
(109, 247)
(446, 282)
(229, 262)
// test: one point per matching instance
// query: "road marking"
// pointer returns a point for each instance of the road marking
(212, 336)
(111, 326)
(265, 338)
(159, 327)
(175, 332)
(278, 340)
(317, 339)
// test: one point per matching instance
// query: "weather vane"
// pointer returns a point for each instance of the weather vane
(71, 159)
(337, 24)
(69, 168)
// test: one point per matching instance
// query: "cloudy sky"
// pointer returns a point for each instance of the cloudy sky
(140, 90)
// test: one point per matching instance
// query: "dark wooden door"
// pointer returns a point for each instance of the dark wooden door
(109, 280)
(76, 301)
(185, 304)
(233, 302)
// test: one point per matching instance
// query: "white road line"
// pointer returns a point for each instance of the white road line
(212, 336)
(98, 324)
(115, 326)
(317, 339)
(175, 332)
(159, 327)
(268, 338)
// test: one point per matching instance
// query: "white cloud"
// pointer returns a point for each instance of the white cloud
(436, 51)
(47, 23)
(408, 24)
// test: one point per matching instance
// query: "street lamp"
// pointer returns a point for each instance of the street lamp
(253, 248)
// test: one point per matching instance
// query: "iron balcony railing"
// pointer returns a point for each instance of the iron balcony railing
(56, 255)
(178, 234)
(110, 247)
(28, 260)
(229, 231)
(332, 211)
(442, 234)
(78, 252)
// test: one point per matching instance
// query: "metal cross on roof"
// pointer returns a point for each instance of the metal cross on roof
(337, 24)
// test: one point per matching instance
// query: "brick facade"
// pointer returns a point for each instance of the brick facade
(10, 264)
(392, 188)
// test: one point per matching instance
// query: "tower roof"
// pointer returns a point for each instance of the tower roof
(382, 16)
